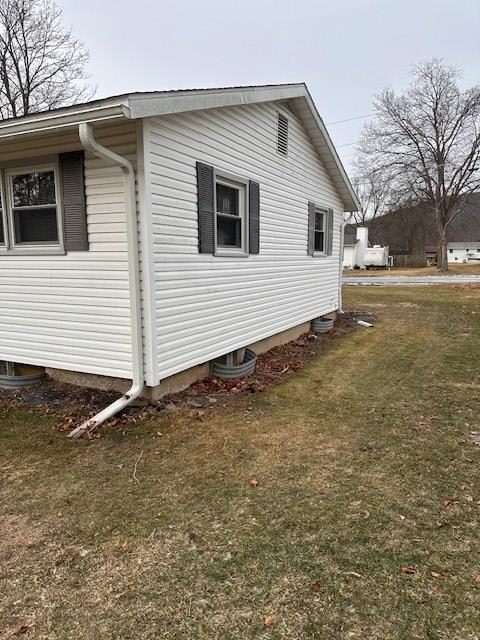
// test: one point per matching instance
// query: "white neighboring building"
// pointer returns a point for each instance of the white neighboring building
(354, 244)
(463, 251)
(232, 236)
(357, 253)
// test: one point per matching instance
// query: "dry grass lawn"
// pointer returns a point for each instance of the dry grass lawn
(453, 269)
(363, 525)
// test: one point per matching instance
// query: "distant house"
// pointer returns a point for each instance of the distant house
(463, 251)
(144, 235)
(410, 233)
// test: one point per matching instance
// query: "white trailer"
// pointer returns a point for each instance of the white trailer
(376, 257)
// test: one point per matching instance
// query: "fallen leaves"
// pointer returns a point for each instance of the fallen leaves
(439, 576)
(317, 586)
(254, 482)
(408, 570)
(24, 628)
(269, 621)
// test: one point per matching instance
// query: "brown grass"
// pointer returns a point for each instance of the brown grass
(365, 467)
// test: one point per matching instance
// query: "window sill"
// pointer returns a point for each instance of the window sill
(320, 254)
(225, 253)
(33, 251)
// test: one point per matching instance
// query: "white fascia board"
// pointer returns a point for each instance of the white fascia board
(47, 122)
(144, 106)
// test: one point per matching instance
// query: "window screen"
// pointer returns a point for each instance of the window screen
(319, 231)
(229, 220)
(34, 207)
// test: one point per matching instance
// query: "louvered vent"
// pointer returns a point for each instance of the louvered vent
(282, 134)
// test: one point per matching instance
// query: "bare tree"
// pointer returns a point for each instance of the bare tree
(428, 140)
(373, 190)
(42, 65)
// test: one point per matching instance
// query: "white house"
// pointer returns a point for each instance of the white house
(145, 235)
(463, 251)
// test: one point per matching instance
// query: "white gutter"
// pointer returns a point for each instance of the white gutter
(46, 122)
(90, 144)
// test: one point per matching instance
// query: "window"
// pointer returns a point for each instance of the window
(282, 134)
(42, 206)
(2, 227)
(33, 211)
(230, 214)
(320, 228)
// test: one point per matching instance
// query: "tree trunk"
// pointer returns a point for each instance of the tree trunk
(442, 259)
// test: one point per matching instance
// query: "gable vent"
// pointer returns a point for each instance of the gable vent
(282, 134)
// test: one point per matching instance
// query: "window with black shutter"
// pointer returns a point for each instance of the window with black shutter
(228, 213)
(43, 207)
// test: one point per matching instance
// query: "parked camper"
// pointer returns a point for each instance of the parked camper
(376, 257)
(356, 252)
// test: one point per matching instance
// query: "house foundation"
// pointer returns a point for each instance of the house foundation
(179, 381)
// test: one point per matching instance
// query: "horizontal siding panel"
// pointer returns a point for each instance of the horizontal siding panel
(205, 305)
(73, 312)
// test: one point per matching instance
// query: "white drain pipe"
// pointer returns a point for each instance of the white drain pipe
(90, 144)
(342, 245)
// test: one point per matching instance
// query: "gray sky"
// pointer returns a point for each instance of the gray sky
(345, 50)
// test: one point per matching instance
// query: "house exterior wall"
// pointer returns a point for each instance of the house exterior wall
(71, 311)
(463, 252)
(206, 306)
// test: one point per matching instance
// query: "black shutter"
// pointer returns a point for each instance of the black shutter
(311, 229)
(73, 198)
(329, 232)
(254, 217)
(206, 204)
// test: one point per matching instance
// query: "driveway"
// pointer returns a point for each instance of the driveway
(391, 280)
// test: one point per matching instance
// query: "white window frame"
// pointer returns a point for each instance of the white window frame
(241, 184)
(5, 246)
(34, 248)
(324, 212)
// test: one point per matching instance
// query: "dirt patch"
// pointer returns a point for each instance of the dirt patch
(70, 405)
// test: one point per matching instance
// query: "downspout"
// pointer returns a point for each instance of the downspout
(90, 144)
(340, 275)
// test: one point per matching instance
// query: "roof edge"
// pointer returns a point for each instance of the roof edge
(150, 104)
(146, 105)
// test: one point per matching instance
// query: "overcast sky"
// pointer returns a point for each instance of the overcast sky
(345, 50)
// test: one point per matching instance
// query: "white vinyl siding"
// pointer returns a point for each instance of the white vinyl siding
(72, 311)
(206, 306)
